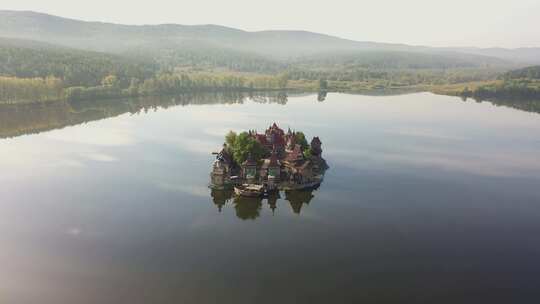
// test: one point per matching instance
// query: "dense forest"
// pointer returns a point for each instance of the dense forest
(520, 85)
(523, 89)
(31, 72)
(197, 56)
(125, 61)
(171, 84)
(74, 67)
(532, 72)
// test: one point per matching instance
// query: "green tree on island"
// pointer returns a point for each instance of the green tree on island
(301, 140)
(241, 145)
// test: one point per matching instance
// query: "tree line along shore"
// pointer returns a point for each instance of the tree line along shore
(40, 73)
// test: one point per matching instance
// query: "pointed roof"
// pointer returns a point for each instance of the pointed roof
(261, 138)
(295, 155)
(224, 156)
(273, 161)
(291, 141)
(316, 141)
(275, 129)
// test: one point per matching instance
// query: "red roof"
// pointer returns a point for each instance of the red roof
(278, 140)
(261, 138)
(275, 129)
(295, 154)
(275, 133)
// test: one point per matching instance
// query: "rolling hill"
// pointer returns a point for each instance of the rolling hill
(28, 59)
(117, 38)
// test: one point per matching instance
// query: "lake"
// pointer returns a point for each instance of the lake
(428, 199)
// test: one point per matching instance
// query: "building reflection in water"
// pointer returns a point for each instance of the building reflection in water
(249, 208)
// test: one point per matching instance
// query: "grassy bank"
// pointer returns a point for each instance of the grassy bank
(15, 90)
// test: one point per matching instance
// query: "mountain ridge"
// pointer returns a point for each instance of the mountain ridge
(282, 44)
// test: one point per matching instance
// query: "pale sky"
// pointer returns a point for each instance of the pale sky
(481, 23)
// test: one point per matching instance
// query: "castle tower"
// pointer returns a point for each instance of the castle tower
(249, 169)
(316, 148)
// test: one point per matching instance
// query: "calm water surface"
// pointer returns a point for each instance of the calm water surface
(429, 199)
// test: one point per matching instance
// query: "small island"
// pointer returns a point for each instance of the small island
(257, 164)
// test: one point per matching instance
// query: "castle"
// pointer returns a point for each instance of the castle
(290, 164)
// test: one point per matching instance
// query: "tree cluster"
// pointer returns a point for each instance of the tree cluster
(243, 145)
(13, 89)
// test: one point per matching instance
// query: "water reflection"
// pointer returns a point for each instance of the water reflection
(249, 208)
(24, 119)
(321, 96)
(221, 197)
(527, 105)
(428, 198)
(298, 198)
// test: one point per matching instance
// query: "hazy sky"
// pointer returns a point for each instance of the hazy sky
(483, 23)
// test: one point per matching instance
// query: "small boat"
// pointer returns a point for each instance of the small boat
(250, 190)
